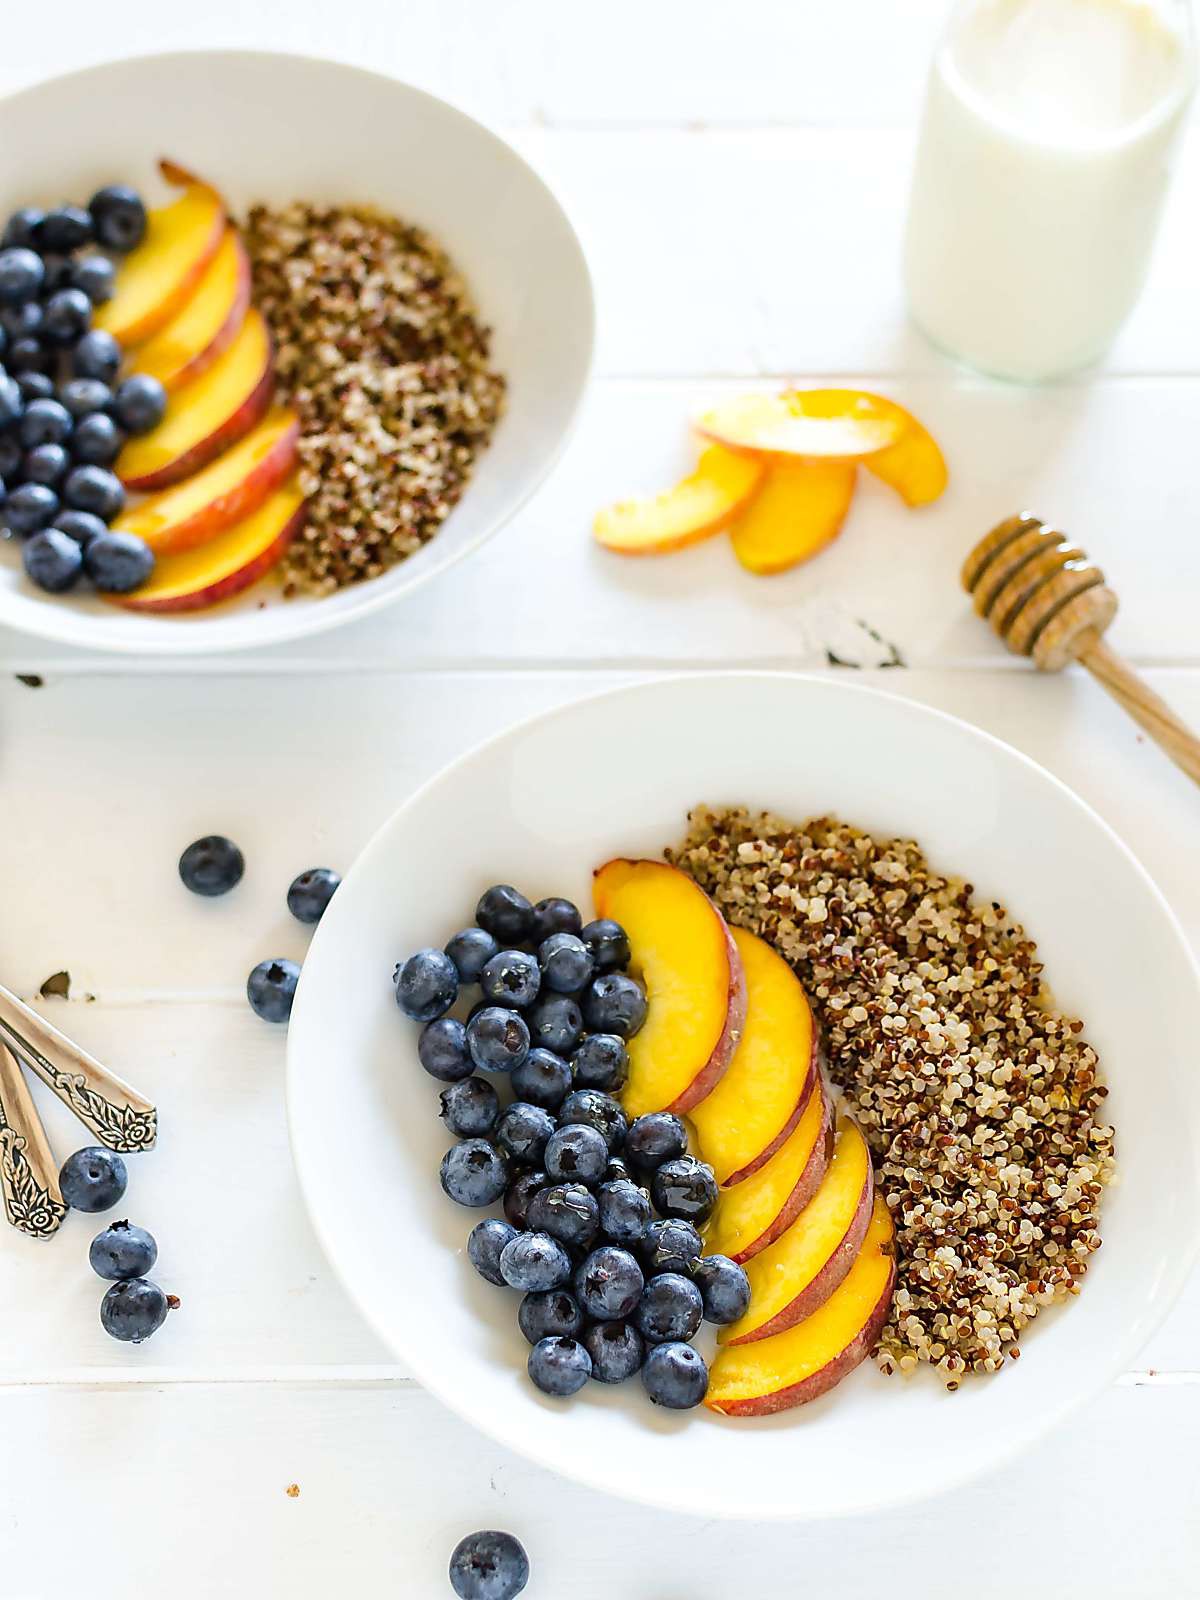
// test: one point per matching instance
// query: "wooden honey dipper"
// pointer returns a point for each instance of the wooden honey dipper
(1046, 600)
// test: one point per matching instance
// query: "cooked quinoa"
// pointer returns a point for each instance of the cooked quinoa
(980, 1099)
(378, 348)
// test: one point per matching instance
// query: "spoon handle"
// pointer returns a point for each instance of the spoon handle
(28, 1176)
(1142, 704)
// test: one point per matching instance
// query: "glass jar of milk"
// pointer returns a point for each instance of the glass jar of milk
(1040, 174)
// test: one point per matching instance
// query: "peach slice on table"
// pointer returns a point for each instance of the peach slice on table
(756, 1106)
(813, 423)
(220, 494)
(205, 324)
(157, 277)
(690, 966)
(207, 415)
(805, 1362)
(698, 506)
(755, 1212)
(792, 1277)
(914, 466)
(797, 512)
(194, 579)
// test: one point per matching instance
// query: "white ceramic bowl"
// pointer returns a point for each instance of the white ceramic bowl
(543, 804)
(280, 127)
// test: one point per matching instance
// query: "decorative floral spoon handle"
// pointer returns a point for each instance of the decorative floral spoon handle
(28, 1175)
(118, 1116)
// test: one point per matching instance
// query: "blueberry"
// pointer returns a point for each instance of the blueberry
(12, 401)
(64, 229)
(97, 355)
(95, 276)
(567, 1212)
(617, 1171)
(21, 228)
(685, 1188)
(724, 1287)
(133, 1309)
(523, 1131)
(597, 1110)
(485, 1243)
(559, 1367)
(35, 386)
(470, 1108)
(669, 1246)
(488, 1566)
(97, 440)
(576, 1155)
(67, 317)
(616, 1350)
(520, 1194)
(543, 1079)
(311, 892)
(654, 1138)
(670, 1308)
(497, 1038)
(139, 403)
(601, 1062)
(556, 1023)
(566, 963)
(534, 1261)
(505, 914)
(81, 526)
(608, 942)
(46, 464)
(29, 507)
(28, 354)
(93, 1179)
(21, 275)
(118, 217)
(83, 396)
(442, 1050)
(52, 560)
(511, 978)
(674, 1375)
(554, 915)
(550, 1313)
(614, 1003)
(470, 952)
(271, 988)
(212, 865)
(44, 422)
(23, 321)
(115, 562)
(608, 1283)
(98, 490)
(123, 1251)
(58, 272)
(10, 458)
(426, 985)
(474, 1173)
(624, 1212)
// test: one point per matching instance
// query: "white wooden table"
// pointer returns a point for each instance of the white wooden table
(738, 176)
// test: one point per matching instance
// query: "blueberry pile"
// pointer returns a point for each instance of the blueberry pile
(133, 1307)
(63, 413)
(601, 1235)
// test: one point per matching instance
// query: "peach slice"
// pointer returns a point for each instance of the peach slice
(745, 1119)
(206, 416)
(155, 279)
(914, 466)
(225, 565)
(222, 493)
(754, 1213)
(756, 1380)
(693, 976)
(813, 423)
(206, 323)
(698, 506)
(797, 512)
(792, 1277)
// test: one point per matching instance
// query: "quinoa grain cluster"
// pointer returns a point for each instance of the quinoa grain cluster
(980, 1100)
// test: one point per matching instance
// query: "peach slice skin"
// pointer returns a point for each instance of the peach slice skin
(222, 493)
(756, 1106)
(792, 1277)
(757, 1380)
(811, 423)
(156, 278)
(697, 507)
(797, 512)
(223, 566)
(754, 1213)
(206, 323)
(206, 416)
(693, 976)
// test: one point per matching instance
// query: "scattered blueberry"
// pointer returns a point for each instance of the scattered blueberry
(724, 1286)
(474, 1173)
(139, 403)
(520, 1195)
(559, 1367)
(614, 1003)
(608, 942)
(577, 1154)
(10, 452)
(554, 915)
(97, 355)
(601, 1062)
(497, 1038)
(311, 892)
(511, 978)
(470, 952)
(22, 322)
(21, 228)
(45, 463)
(543, 1079)
(52, 560)
(685, 1188)
(65, 229)
(616, 1350)
(11, 400)
(118, 217)
(608, 1283)
(426, 985)
(212, 865)
(550, 1313)
(566, 963)
(28, 355)
(534, 1261)
(505, 914)
(29, 507)
(617, 1171)
(133, 1309)
(58, 271)
(67, 317)
(44, 422)
(485, 1243)
(624, 1212)
(82, 526)
(271, 988)
(96, 489)
(654, 1138)
(567, 1212)
(670, 1308)
(93, 1179)
(442, 1050)
(470, 1108)
(523, 1131)
(95, 276)
(97, 440)
(556, 1023)
(21, 275)
(669, 1246)
(123, 1251)
(598, 1110)
(35, 386)
(675, 1376)
(84, 396)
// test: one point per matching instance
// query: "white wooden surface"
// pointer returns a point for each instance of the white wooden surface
(738, 176)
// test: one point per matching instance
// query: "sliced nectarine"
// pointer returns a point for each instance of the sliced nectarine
(914, 466)
(792, 1277)
(754, 1213)
(223, 566)
(797, 512)
(693, 977)
(206, 323)
(814, 423)
(745, 1119)
(205, 416)
(224, 492)
(699, 505)
(806, 1361)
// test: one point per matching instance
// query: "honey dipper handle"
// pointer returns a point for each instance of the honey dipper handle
(1141, 702)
